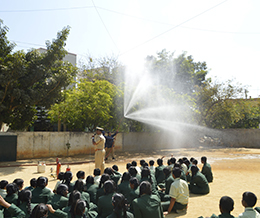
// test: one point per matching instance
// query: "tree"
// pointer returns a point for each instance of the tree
(30, 79)
(91, 104)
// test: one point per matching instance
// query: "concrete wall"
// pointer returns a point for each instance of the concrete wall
(52, 144)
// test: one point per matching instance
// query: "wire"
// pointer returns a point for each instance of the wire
(104, 25)
(172, 28)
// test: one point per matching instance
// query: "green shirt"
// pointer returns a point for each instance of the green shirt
(199, 184)
(41, 195)
(206, 170)
(105, 206)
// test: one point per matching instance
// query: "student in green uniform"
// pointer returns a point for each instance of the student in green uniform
(24, 202)
(60, 178)
(124, 187)
(11, 197)
(79, 186)
(19, 183)
(81, 176)
(67, 180)
(146, 176)
(159, 175)
(147, 205)
(226, 205)
(183, 175)
(198, 182)
(164, 193)
(117, 174)
(134, 185)
(133, 173)
(151, 167)
(33, 183)
(112, 175)
(3, 185)
(100, 191)
(206, 169)
(41, 194)
(91, 188)
(13, 210)
(105, 206)
(120, 210)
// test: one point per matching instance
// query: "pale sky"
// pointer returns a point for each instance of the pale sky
(225, 34)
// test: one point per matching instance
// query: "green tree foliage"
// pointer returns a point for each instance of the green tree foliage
(91, 104)
(30, 79)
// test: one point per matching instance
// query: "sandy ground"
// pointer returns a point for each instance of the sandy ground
(235, 170)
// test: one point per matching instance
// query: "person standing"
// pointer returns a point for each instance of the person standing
(98, 141)
(109, 145)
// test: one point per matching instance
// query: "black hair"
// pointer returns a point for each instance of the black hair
(61, 176)
(103, 179)
(169, 162)
(90, 180)
(142, 162)
(119, 203)
(128, 165)
(195, 162)
(187, 162)
(167, 171)
(109, 187)
(25, 196)
(41, 182)
(115, 167)
(194, 170)
(11, 189)
(146, 173)
(109, 171)
(132, 171)
(134, 163)
(204, 159)
(3, 184)
(249, 198)
(19, 183)
(80, 174)
(151, 162)
(160, 161)
(184, 158)
(62, 190)
(177, 165)
(180, 161)
(74, 196)
(226, 204)
(135, 182)
(145, 165)
(78, 208)
(67, 178)
(126, 176)
(176, 172)
(173, 160)
(40, 211)
(97, 172)
(191, 159)
(145, 188)
(33, 182)
(79, 185)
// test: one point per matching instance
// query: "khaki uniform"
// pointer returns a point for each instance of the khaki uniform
(100, 152)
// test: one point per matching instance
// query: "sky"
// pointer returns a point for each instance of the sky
(223, 33)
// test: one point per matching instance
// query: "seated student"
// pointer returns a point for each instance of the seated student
(206, 169)
(159, 175)
(3, 185)
(116, 172)
(164, 193)
(124, 186)
(134, 164)
(183, 165)
(183, 175)
(60, 199)
(12, 209)
(105, 207)
(41, 194)
(67, 181)
(226, 205)
(198, 182)
(33, 183)
(60, 178)
(248, 201)
(11, 197)
(24, 202)
(19, 183)
(100, 190)
(91, 189)
(146, 176)
(79, 186)
(134, 193)
(172, 162)
(41, 211)
(97, 176)
(133, 173)
(179, 193)
(151, 167)
(147, 205)
(142, 164)
(120, 210)
(81, 176)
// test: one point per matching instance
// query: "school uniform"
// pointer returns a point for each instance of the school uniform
(154, 187)
(223, 215)
(147, 206)
(3, 193)
(41, 195)
(134, 193)
(14, 211)
(124, 188)
(24, 207)
(249, 213)
(11, 199)
(206, 170)
(100, 192)
(159, 175)
(152, 170)
(116, 177)
(199, 184)
(114, 215)
(97, 180)
(105, 207)
(91, 189)
(165, 195)
(85, 197)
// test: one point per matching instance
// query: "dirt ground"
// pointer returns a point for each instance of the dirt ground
(235, 171)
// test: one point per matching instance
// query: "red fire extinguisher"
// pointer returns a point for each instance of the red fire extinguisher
(68, 168)
(58, 167)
